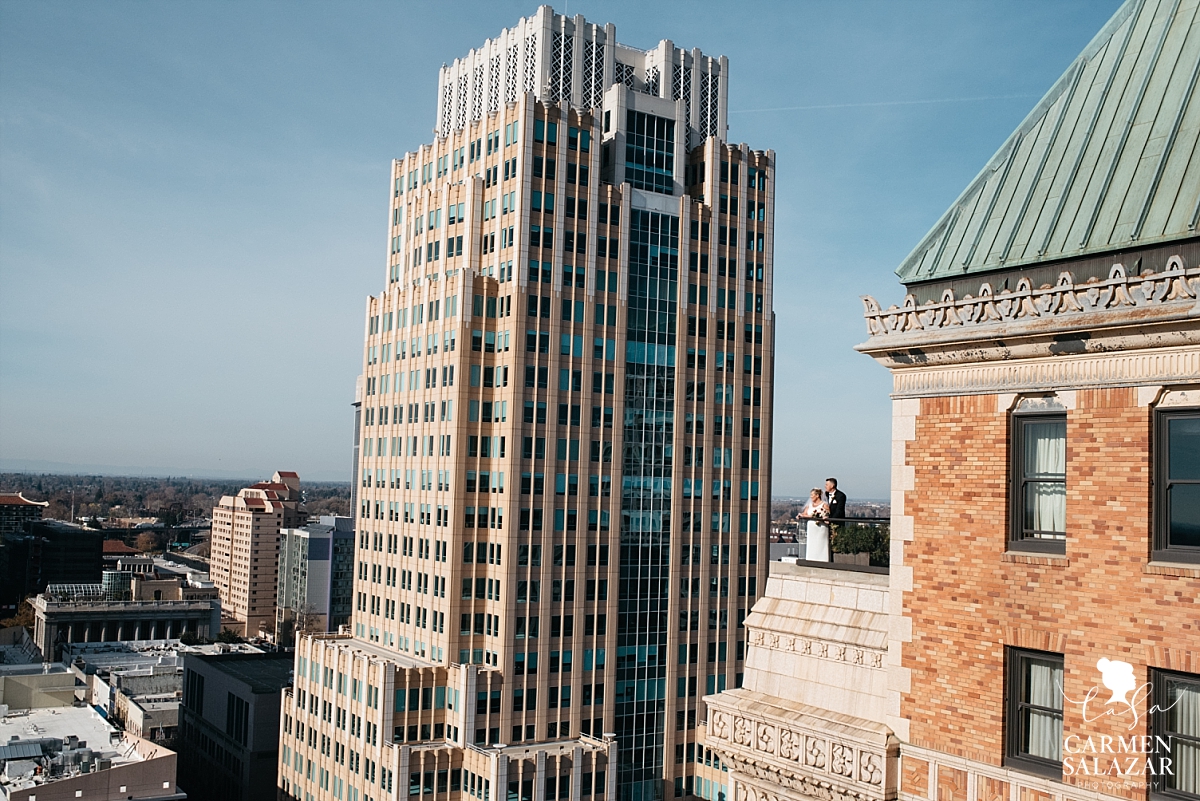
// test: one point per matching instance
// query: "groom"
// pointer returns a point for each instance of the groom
(835, 498)
(837, 509)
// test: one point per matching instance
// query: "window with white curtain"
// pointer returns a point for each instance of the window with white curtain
(1177, 721)
(1177, 486)
(1035, 712)
(1039, 481)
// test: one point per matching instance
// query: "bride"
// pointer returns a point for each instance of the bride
(816, 510)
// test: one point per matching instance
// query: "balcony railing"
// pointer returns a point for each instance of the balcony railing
(860, 544)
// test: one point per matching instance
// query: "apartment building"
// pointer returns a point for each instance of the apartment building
(1042, 638)
(244, 556)
(565, 425)
(316, 577)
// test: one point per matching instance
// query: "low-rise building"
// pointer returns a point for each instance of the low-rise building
(64, 753)
(82, 613)
(56, 747)
(116, 549)
(230, 724)
(139, 684)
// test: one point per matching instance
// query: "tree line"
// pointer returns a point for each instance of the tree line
(172, 500)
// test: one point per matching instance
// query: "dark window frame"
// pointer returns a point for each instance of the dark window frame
(1158, 728)
(1018, 539)
(1014, 756)
(1162, 550)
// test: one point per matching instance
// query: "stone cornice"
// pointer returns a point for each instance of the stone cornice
(808, 759)
(1122, 312)
(1166, 366)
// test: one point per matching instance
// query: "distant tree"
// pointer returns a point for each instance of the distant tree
(863, 538)
(306, 617)
(189, 638)
(23, 617)
(230, 636)
(147, 541)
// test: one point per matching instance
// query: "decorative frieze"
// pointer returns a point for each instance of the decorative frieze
(816, 763)
(1174, 285)
(821, 649)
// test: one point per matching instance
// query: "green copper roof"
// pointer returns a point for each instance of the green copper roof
(1108, 159)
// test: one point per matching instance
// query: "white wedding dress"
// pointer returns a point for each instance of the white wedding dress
(817, 533)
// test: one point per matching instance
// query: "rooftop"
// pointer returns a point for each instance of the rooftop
(1106, 160)
(378, 651)
(57, 740)
(60, 723)
(118, 548)
(18, 499)
(262, 672)
(124, 654)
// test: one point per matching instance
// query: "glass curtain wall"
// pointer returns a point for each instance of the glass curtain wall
(646, 503)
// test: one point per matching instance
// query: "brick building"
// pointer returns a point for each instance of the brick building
(1046, 445)
(1043, 625)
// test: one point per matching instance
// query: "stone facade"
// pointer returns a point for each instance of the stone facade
(807, 720)
(59, 620)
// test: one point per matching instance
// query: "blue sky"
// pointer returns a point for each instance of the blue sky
(193, 204)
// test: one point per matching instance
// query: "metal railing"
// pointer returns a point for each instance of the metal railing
(855, 543)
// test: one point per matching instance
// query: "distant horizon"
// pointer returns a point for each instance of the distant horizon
(48, 468)
(109, 471)
(179, 292)
(105, 471)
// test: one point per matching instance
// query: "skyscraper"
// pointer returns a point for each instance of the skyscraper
(565, 434)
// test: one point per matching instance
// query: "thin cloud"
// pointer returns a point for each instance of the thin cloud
(884, 103)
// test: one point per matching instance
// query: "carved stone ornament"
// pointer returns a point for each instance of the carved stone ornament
(719, 725)
(779, 781)
(742, 732)
(841, 760)
(1174, 284)
(870, 768)
(790, 745)
(778, 756)
(814, 752)
(851, 653)
(766, 738)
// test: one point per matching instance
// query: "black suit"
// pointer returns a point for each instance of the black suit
(837, 503)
